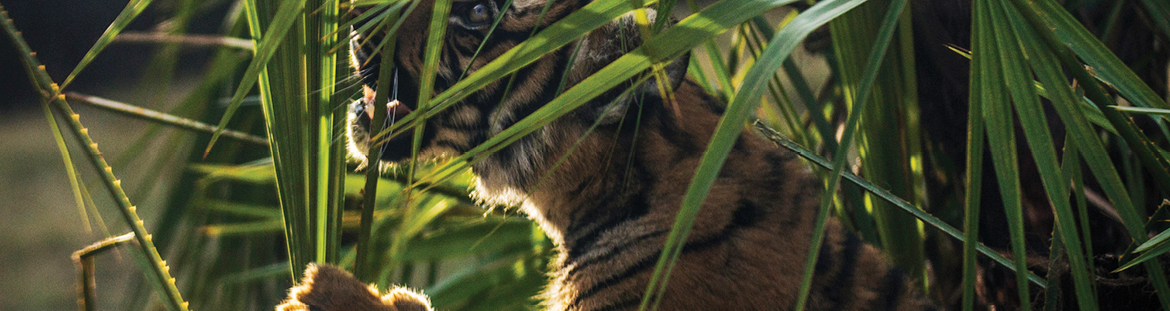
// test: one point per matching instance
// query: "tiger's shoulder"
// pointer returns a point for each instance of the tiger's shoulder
(606, 181)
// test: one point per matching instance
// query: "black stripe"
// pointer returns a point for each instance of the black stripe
(824, 260)
(521, 75)
(480, 136)
(465, 43)
(514, 108)
(740, 219)
(625, 303)
(447, 118)
(594, 226)
(643, 264)
(668, 126)
(836, 289)
(710, 102)
(891, 292)
(502, 35)
(581, 185)
(452, 64)
(740, 147)
(801, 202)
(505, 155)
(747, 214)
(779, 162)
(407, 85)
(613, 252)
(458, 146)
(546, 90)
(587, 215)
(459, 126)
(592, 211)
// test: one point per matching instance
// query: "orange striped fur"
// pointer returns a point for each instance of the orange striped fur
(611, 204)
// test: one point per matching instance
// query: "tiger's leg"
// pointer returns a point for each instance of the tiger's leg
(329, 288)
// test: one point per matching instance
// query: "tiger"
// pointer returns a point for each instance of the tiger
(629, 155)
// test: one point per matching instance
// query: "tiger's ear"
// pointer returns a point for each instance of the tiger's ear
(613, 112)
(676, 72)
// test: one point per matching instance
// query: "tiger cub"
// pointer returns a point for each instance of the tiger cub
(610, 205)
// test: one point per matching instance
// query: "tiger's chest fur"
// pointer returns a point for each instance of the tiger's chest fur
(611, 217)
(606, 181)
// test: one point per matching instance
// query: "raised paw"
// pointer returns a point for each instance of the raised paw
(329, 288)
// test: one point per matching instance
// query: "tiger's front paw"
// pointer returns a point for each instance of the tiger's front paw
(329, 288)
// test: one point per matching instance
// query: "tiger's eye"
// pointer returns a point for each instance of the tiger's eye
(479, 14)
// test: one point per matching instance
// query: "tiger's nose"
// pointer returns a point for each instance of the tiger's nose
(368, 99)
(395, 110)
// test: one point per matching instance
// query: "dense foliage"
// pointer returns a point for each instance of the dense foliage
(1035, 127)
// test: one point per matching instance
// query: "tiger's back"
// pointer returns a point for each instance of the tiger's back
(628, 158)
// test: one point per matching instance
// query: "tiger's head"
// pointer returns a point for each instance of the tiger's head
(501, 103)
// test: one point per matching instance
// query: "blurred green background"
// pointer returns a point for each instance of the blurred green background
(41, 226)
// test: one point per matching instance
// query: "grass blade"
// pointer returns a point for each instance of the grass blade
(888, 128)
(193, 40)
(265, 49)
(588, 18)
(1071, 168)
(124, 18)
(669, 45)
(70, 170)
(926, 218)
(1054, 19)
(1156, 242)
(1035, 126)
(1159, 8)
(362, 270)
(154, 265)
(161, 117)
(1043, 18)
(321, 20)
(869, 74)
(84, 259)
(1156, 246)
(435, 38)
(980, 40)
(1164, 113)
(1002, 140)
